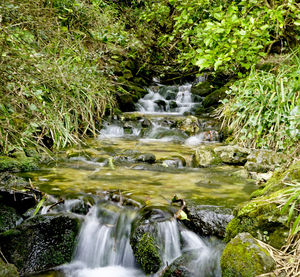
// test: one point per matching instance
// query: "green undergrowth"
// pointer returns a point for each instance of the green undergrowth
(62, 64)
(262, 110)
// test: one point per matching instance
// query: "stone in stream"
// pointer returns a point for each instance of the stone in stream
(205, 156)
(190, 125)
(182, 266)
(144, 238)
(41, 242)
(131, 156)
(8, 218)
(245, 257)
(208, 220)
(232, 154)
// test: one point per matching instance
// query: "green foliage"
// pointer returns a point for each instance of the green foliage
(58, 78)
(263, 109)
(292, 204)
(226, 35)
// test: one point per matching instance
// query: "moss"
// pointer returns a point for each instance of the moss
(8, 270)
(41, 243)
(244, 257)
(213, 98)
(147, 254)
(8, 218)
(17, 164)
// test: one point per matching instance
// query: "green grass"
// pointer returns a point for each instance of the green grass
(262, 111)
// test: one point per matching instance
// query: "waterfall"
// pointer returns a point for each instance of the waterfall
(167, 100)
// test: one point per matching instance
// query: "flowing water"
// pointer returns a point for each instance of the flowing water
(119, 169)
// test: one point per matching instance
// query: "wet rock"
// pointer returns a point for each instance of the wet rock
(264, 160)
(144, 238)
(174, 161)
(41, 243)
(161, 104)
(232, 154)
(208, 220)
(146, 158)
(213, 99)
(243, 256)
(8, 218)
(181, 267)
(202, 88)
(20, 200)
(134, 157)
(205, 156)
(146, 123)
(173, 105)
(8, 270)
(190, 125)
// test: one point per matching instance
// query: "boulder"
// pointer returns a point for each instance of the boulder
(181, 267)
(232, 154)
(264, 160)
(244, 257)
(131, 156)
(173, 161)
(213, 99)
(8, 218)
(202, 88)
(207, 220)
(205, 156)
(189, 124)
(262, 216)
(41, 243)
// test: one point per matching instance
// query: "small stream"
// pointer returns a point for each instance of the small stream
(142, 159)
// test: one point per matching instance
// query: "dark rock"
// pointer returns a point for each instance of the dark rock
(8, 270)
(208, 220)
(243, 256)
(161, 104)
(146, 158)
(173, 105)
(8, 218)
(20, 200)
(202, 88)
(41, 243)
(181, 267)
(213, 98)
(146, 123)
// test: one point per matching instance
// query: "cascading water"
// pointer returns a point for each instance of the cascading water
(104, 250)
(174, 100)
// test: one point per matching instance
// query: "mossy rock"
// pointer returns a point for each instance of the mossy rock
(213, 99)
(148, 255)
(244, 257)
(144, 239)
(264, 160)
(204, 156)
(41, 243)
(8, 270)
(8, 218)
(232, 154)
(190, 125)
(18, 164)
(202, 88)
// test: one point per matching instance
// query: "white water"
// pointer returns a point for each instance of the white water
(176, 103)
(103, 245)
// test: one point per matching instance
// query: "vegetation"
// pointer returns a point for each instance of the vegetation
(263, 109)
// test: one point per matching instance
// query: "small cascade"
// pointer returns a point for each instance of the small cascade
(169, 237)
(112, 131)
(174, 100)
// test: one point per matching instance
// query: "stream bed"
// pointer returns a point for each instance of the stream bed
(139, 160)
